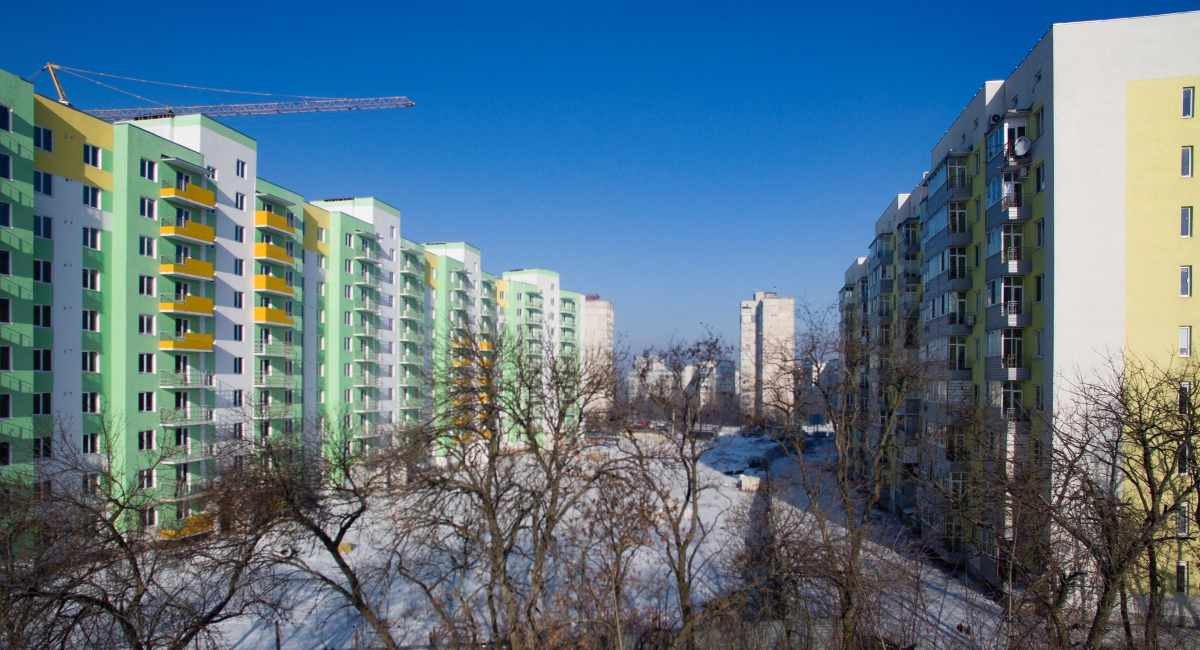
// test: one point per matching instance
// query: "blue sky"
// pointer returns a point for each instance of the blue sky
(671, 157)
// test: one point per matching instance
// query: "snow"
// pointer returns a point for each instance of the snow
(943, 604)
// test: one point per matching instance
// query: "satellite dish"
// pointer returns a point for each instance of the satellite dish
(1021, 146)
(995, 118)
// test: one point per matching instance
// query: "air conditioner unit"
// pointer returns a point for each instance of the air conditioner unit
(970, 321)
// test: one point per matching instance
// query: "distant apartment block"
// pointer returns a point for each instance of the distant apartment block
(768, 342)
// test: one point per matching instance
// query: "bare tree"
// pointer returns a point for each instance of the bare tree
(88, 549)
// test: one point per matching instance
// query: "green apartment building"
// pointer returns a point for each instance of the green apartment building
(213, 307)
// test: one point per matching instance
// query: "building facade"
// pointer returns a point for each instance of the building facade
(768, 342)
(1052, 232)
(216, 306)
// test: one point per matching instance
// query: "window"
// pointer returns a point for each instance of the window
(6, 215)
(1039, 178)
(43, 139)
(1185, 281)
(42, 448)
(239, 233)
(145, 402)
(347, 292)
(41, 404)
(238, 332)
(91, 279)
(43, 183)
(6, 358)
(1039, 123)
(239, 299)
(146, 324)
(349, 240)
(5, 454)
(1185, 398)
(346, 370)
(346, 318)
(146, 363)
(1185, 162)
(239, 266)
(146, 208)
(43, 227)
(1039, 286)
(1181, 578)
(91, 402)
(91, 320)
(145, 285)
(5, 124)
(5, 167)
(238, 398)
(91, 443)
(1183, 520)
(41, 271)
(5, 265)
(146, 480)
(346, 343)
(240, 169)
(91, 196)
(91, 238)
(1037, 397)
(91, 361)
(41, 316)
(146, 246)
(320, 315)
(1185, 221)
(91, 155)
(1038, 336)
(145, 440)
(321, 261)
(239, 200)
(1189, 102)
(238, 365)
(148, 170)
(320, 370)
(5, 406)
(42, 360)
(320, 288)
(349, 266)
(1185, 341)
(320, 234)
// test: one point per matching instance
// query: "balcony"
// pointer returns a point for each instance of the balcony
(410, 336)
(408, 313)
(188, 379)
(411, 358)
(366, 379)
(185, 342)
(1013, 313)
(371, 306)
(568, 307)
(284, 350)
(273, 411)
(188, 195)
(272, 316)
(367, 280)
(273, 253)
(366, 329)
(189, 268)
(272, 380)
(184, 416)
(1009, 209)
(186, 527)
(956, 278)
(366, 355)
(1011, 260)
(366, 406)
(275, 285)
(370, 255)
(187, 230)
(410, 403)
(170, 303)
(271, 222)
(412, 290)
(1008, 367)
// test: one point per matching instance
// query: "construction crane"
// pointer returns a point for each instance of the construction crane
(305, 105)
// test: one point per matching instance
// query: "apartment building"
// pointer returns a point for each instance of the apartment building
(768, 341)
(216, 306)
(1055, 230)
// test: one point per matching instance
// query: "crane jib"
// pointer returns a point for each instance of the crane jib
(267, 108)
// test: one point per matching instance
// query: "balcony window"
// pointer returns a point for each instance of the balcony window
(1189, 102)
(1185, 281)
(1185, 162)
(1185, 221)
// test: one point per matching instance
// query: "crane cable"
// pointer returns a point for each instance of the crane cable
(72, 72)
(77, 72)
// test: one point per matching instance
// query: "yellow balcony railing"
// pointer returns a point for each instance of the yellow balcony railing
(272, 316)
(189, 342)
(193, 525)
(187, 230)
(272, 284)
(191, 194)
(173, 304)
(272, 252)
(189, 267)
(275, 222)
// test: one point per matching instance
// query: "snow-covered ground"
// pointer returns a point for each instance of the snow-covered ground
(317, 623)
